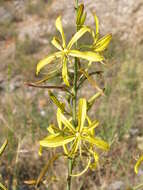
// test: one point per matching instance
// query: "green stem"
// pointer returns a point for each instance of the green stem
(70, 161)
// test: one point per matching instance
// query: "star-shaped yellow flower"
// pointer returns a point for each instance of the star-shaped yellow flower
(64, 51)
(78, 137)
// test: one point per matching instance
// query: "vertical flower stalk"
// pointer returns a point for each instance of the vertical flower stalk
(70, 160)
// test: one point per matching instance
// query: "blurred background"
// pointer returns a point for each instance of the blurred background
(26, 29)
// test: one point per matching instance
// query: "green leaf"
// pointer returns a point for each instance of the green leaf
(3, 147)
(77, 36)
(96, 141)
(60, 29)
(65, 71)
(47, 60)
(55, 141)
(138, 163)
(88, 55)
(102, 44)
(55, 41)
(81, 113)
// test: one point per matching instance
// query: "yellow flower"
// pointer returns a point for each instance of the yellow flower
(99, 45)
(64, 51)
(80, 138)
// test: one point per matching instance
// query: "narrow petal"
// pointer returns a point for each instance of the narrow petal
(67, 123)
(60, 29)
(77, 36)
(102, 44)
(96, 141)
(65, 72)
(91, 101)
(2, 187)
(91, 81)
(87, 55)
(55, 41)
(81, 113)
(91, 127)
(96, 23)
(137, 165)
(3, 146)
(47, 60)
(86, 168)
(56, 140)
(75, 146)
(59, 118)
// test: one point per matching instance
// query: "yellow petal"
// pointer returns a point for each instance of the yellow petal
(86, 168)
(102, 44)
(65, 72)
(83, 18)
(55, 100)
(2, 187)
(66, 123)
(59, 118)
(3, 146)
(92, 82)
(88, 55)
(47, 60)
(136, 168)
(79, 13)
(56, 140)
(92, 126)
(96, 23)
(77, 36)
(96, 141)
(56, 43)
(81, 113)
(60, 29)
(74, 147)
(91, 101)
